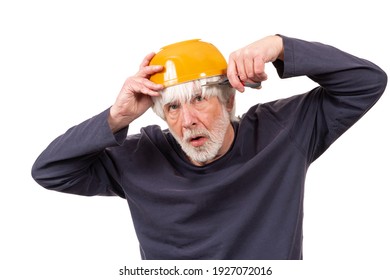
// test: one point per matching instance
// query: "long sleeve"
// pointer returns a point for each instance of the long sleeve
(348, 87)
(77, 161)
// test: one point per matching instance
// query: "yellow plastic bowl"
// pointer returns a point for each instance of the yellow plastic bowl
(186, 61)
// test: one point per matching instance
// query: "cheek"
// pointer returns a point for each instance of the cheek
(211, 116)
(175, 127)
(208, 121)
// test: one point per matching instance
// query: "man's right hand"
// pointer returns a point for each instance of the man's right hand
(134, 99)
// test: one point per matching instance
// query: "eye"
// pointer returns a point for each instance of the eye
(173, 106)
(198, 98)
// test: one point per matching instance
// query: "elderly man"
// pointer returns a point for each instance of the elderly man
(214, 186)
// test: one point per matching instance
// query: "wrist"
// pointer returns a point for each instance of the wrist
(116, 121)
(279, 40)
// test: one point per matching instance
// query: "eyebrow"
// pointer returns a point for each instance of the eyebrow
(180, 97)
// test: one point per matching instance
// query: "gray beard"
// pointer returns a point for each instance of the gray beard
(210, 150)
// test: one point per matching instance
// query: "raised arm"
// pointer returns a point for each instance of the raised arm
(78, 161)
(348, 86)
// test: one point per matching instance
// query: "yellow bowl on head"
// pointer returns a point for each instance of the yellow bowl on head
(186, 61)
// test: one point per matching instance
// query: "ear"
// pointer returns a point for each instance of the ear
(230, 103)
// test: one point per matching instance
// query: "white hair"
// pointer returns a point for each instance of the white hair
(184, 92)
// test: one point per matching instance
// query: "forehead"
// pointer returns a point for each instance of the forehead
(182, 93)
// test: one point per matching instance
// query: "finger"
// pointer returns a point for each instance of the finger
(240, 66)
(153, 86)
(232, 74)
(249, 69)
(134, 84)
(148, 90)
(152, 69)
(147, 71)
(147, 59)
(259, 70)
(145, 86)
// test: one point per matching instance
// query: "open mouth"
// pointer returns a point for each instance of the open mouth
(198, 140)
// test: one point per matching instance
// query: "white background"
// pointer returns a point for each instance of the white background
(62, 62)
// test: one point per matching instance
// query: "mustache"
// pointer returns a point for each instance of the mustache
(195, 133)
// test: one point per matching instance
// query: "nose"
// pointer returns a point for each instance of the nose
(188, 115)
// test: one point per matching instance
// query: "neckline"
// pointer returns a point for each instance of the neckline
(182, 157)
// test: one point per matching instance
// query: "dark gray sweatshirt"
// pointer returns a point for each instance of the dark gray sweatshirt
(247, 204)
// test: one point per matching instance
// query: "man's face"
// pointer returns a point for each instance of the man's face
(201, 126)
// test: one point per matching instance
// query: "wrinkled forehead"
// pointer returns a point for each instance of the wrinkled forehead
(183, 93)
